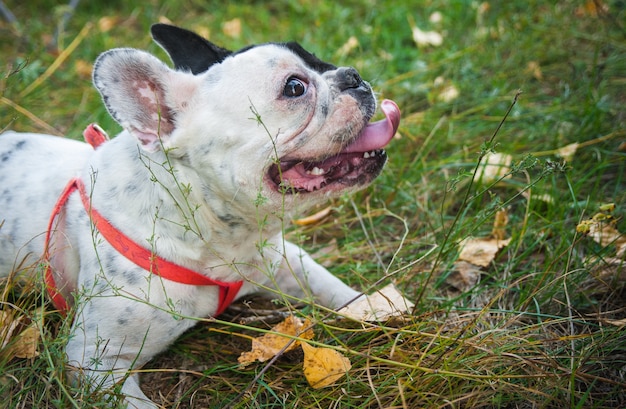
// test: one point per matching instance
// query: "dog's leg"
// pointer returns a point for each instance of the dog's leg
(299, 275)
(115, 334)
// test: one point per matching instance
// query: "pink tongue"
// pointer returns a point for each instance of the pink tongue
(377, 134)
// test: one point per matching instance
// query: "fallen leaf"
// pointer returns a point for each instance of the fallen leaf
(606, 234)
(591, 8)
(606, 275)
(567, 152)
(481, 251)
(314, 218)
(202, 30)
(83, 68)
(436, 17)
(534, 69)
(107, 23)
(426, 38)
(499, 224)
(21, 345)
(323, 366)
(601, 228)
(232, 28)
(444, 90)
(494, 166)
(350, 45)
(542, 197)
(268, 345)
(25, 345)
(615, 323)
(379, 306)
(464, 276)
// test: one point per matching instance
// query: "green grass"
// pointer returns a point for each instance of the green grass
(537, 330)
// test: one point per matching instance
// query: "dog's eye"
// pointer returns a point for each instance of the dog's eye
(294, 88)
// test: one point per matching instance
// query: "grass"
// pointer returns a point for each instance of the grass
(542, 326)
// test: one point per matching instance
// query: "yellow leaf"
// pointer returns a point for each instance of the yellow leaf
(268, 345)
(323, 366)
(314, 218)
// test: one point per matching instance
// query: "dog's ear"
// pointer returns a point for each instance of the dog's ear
(142, 93)
(188, 51)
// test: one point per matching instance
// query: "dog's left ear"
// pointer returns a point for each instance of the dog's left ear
(188, 51)
(143, 94)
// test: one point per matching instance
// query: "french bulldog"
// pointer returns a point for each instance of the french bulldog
(183, 211)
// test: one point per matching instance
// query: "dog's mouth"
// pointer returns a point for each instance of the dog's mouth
(358, 163)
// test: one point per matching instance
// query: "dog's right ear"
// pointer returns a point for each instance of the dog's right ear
(143, 94)
(188, 51)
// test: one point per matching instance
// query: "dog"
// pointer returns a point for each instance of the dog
(183, 211)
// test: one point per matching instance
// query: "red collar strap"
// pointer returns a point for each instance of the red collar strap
(139, 255)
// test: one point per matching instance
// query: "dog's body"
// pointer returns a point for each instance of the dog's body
(210, 165)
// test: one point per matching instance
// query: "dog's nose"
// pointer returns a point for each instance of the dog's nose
(348, 77)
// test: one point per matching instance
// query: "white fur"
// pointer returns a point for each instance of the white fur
(186, 178)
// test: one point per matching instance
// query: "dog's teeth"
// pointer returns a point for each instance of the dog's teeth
(366, 155)
(316, 171)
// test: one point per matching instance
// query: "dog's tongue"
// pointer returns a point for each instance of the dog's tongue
(377, 135)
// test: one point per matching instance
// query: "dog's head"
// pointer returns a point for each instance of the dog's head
(270, 118)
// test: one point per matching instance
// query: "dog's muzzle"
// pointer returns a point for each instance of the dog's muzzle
(358, 163)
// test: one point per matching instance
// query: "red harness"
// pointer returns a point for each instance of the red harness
(139, 255)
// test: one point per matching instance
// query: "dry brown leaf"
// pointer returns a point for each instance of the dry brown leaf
(591, 8)
(436, 17)
(568, 151)
(268, 345)
(444, 90)
(25, 345)
(601, 228)
(106, 23)
(616, 323)
(534, 196)
(534, 69)
(499, 224)
(83, 68)
(379, 306)
(350, 45)
(481, 251)
(22, 345)
(314, 218)
(464, 276)
(606, 234)
(425, 38)
(323, 366)
(232, 28)
(494, 167)
(606, 275)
